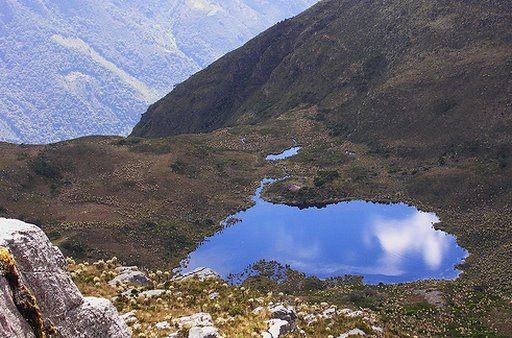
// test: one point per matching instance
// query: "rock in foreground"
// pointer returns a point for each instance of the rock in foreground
(38, 297)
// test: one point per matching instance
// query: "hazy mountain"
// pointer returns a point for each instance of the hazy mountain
(412, 72)
(70, 68)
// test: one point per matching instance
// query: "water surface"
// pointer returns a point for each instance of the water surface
(382, 242)
(285, 154)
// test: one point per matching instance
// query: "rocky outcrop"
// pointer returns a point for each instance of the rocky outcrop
(199, 273)
(200, 325)
(37, 295)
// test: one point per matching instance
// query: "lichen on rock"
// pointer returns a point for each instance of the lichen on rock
(22, 297)
(40, 298)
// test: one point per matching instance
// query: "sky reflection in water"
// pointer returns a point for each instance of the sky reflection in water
(383, 243)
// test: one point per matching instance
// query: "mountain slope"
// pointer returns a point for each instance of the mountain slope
(73, 68)
(402, 72)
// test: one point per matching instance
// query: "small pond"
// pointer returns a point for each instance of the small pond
(387, 243)
(285, 154)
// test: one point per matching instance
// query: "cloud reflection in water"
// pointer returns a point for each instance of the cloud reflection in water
(400, 238)
(382, 242)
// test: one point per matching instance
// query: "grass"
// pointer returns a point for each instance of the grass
(231, 308)
(132, 205)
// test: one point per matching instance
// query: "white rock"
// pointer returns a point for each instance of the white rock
(258, 310)
(352, 314)
(310, 319)
(130, 275)
(42, 268)
(353, 332)
(152, 293)
(329, 313)
(203, 332)
(199, 273)
(163, 325)
(377, 329)
(200, 319)
(122, 269)
(97, 317)
(283, 320)
(278, 327)
(129, 293)
(129, 317)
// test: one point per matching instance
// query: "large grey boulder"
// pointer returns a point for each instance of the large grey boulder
(44, 280)
(97, 317)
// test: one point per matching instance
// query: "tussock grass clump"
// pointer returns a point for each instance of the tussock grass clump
(237, 311)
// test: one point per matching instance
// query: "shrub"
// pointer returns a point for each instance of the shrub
(181, 168)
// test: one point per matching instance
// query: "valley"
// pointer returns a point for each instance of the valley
(160, 189)
(72, 68)
(404, 104)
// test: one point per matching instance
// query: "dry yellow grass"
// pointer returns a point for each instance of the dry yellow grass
(230, 306)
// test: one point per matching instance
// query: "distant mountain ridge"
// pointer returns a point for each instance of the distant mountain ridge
(401, 71)
(72, 68)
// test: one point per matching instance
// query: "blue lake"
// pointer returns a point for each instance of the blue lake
(386, 243)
